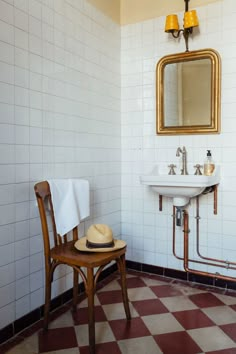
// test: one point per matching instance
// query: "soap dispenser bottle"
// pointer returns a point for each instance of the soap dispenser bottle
(209, 165)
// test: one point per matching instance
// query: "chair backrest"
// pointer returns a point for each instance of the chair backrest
(44, 200)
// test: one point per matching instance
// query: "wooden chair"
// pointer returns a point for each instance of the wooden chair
(64, 252)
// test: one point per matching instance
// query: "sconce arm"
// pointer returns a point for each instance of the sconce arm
(176, 34)
(186, 33)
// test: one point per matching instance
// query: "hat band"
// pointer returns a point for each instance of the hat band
(99, 245)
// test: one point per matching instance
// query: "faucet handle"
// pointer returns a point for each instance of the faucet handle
(198, 169)
(172, 171)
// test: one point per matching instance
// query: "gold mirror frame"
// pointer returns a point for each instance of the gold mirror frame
(214, 126)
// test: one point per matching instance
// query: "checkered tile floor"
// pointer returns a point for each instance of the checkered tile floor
(167, 317)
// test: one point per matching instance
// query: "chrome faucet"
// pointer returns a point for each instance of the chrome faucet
(184, 159)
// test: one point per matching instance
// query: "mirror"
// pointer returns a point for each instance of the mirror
(188, 93)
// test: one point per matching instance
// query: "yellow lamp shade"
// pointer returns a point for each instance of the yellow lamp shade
(172, 23)
(190, 19)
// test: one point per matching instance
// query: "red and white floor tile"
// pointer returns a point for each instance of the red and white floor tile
(168, 316)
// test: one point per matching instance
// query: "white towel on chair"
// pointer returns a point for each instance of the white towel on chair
(70, 198)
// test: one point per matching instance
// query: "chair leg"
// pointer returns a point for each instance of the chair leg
(48, 284)
(75, 289)
(121, 266)
(90, 294)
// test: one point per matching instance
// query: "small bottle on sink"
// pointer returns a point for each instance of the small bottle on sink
(209, 165)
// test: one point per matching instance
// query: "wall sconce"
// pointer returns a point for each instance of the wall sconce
(190, 20)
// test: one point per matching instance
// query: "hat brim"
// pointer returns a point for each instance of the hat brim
(81, 246)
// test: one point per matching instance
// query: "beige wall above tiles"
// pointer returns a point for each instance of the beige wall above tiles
(110, 8)
(132, 11)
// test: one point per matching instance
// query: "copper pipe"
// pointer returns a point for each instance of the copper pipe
(186, 232)
(226, 265)
(215, 199)
(181, 258)
(195, 260)
(160, 202)
(186, 260)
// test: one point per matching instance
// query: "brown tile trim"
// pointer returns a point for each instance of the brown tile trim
(152, 269)
(177, 274)
(6, 333)
(27, 320)
(201, 279)
(60, 304)
(181, 275)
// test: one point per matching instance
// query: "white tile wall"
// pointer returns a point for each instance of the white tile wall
(59, 117)
(147, 230)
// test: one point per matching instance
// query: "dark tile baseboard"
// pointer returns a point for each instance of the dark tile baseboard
(36, 315)
(181, 275)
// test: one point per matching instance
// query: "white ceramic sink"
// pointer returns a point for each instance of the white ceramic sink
(179, 187)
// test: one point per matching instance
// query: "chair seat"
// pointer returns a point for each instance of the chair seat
(67, 253)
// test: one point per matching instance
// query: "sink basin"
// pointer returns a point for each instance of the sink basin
(179, 187)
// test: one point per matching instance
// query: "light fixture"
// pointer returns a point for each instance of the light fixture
(190, 20)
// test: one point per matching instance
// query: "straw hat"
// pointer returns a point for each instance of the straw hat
(99, 238)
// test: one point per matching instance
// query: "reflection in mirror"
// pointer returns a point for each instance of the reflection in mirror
(188, 90)
(189, 99)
